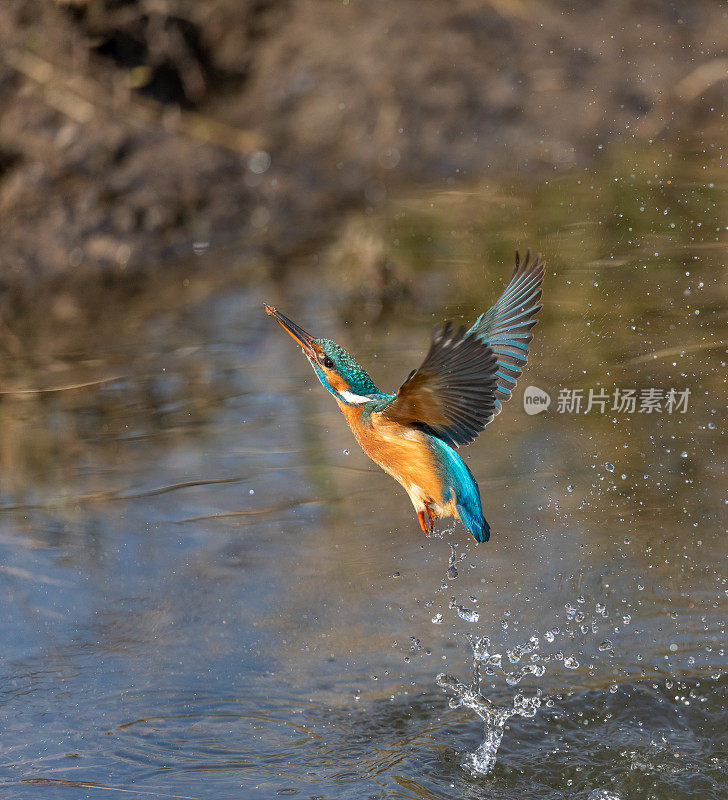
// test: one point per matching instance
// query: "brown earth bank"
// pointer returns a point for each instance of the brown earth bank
(136, 132)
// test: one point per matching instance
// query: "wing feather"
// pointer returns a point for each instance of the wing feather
(467, 375)
(453, 393)
(506, 327)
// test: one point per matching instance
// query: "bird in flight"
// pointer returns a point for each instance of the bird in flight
(460, 386)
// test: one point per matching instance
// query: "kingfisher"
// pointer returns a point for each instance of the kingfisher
(458, 389)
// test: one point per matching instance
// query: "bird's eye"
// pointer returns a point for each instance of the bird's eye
(325, 361)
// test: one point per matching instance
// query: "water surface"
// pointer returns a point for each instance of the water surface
(209, 591)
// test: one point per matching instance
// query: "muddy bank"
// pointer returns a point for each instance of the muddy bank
(131, 134)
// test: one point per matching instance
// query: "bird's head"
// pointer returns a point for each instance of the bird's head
(336, 369)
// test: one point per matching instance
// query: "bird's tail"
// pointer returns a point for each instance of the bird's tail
(473, 519)
(468, 506)
(459, 481)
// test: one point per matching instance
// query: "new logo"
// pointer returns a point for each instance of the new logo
(535, 400)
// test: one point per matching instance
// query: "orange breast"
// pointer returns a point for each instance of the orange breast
(401, 452)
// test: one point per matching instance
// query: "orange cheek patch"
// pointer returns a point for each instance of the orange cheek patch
(336, 381)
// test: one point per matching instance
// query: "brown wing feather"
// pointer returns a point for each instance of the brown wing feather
(417, 400)
(453, 392)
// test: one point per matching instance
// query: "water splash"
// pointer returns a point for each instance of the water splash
(482, 760)
(464, 613)
(455, 558)
(530, 658)
(512, 665)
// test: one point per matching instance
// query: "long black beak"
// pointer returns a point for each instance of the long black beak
(303, 338)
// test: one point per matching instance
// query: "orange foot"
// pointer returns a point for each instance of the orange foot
(429, 525)
(431, 514)
(423, 524)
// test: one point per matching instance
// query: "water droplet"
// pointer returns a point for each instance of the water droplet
(258, 162)
(609, 466)
(571, 663)
(605, 645)
(464, 613)
(346, 452)
(495, 660)
(437, 619)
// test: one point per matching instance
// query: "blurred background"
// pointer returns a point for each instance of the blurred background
(132, 129)
(206, 589)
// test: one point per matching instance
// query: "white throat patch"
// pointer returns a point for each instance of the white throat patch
(354, 399)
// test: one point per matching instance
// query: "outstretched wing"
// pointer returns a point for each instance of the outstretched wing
(506, 327)
(453, 393)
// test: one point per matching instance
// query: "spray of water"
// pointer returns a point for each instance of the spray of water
(528, 658)
(494, 717)
(482, 760)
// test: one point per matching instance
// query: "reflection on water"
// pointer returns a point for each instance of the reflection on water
(209, 591)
